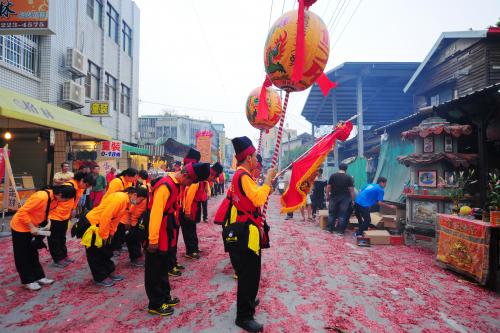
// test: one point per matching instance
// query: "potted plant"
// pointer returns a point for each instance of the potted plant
(494, 197)
(457, 193)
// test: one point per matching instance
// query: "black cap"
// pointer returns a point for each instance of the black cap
(217, 167)
(243, 147)
(192, 156)
(198, 171)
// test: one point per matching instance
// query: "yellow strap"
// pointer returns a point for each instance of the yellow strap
(253, 239)
(87, 237)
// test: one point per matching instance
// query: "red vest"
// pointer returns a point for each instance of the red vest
(245, 206)
(201, 194)
(168, 233)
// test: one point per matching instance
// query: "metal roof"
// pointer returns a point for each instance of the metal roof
(445, 35)
(383, 97)
(425, 111)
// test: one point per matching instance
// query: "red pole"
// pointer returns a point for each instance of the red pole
(259, 150)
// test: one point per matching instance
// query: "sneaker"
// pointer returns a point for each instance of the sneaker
(60, 264)
(205, 220)
(178, 266)
(173, 301)
(116, 254)
(116, 277)
(69, 260)
(45, 281)
(193, 255)
(33, 286)
(163, 310)
(137, 263)
(175, 272)
(250, 325)
(235, 276)
(123, 250)
(105, 283)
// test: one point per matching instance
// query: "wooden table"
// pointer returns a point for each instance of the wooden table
(469, 247)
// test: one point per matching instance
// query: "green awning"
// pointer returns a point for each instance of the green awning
(135, 150)
(21, 107)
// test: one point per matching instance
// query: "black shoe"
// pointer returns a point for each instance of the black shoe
(175, 272)
(249, 325)
(105, 283)
(163, 310)
(179, 266)
(193, 255)
(256, 302)
(116, 277)
(137, 263)
(172, 301)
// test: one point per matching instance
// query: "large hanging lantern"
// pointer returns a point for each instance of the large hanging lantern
(281, 46)
(263, 119)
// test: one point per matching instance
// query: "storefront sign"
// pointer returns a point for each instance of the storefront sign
(99, 109)
(204, 145)
(111, 149)
(24, 17)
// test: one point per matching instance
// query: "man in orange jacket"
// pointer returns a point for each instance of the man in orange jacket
(24, 227)
(104, 220)
(60, 216)
(162, 235)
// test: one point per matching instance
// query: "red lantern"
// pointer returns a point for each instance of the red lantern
(279, 51)
(272, 116)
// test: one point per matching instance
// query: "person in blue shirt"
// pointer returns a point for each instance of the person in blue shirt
(369, 196)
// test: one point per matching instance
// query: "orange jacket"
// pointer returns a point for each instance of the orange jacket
(33, 211)
(134, 214)
(63, 210)
(109, 213)
(116, 185)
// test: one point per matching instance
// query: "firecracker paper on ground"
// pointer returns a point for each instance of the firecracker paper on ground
(312, 281)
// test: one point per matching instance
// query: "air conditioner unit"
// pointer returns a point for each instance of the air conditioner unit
(75, 62)
(73, 94)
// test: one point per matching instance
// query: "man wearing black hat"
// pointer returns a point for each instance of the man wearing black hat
(243, 238)
(162, 235)
(194, 203)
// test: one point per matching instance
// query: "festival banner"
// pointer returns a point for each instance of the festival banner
(204, 145)
(304, 170)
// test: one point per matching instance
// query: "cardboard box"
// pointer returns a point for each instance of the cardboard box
(323, 212)
(323, 221)
(378, 237)
(377, 220)
(390, 221)
(397, 240)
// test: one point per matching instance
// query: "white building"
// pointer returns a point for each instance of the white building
(88, 51)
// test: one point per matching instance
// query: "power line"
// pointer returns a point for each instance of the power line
(270, 15)
(188, 107)
(333, 14)
(349, 21)
(283, 8)
(336, 24)
(337, 16)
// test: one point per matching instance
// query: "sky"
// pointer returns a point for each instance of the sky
(203, 57)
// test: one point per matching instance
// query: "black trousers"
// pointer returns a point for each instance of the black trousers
(189, 233)
(247, 265)
(364, 218)
(26, 257)
(57, 240)
(204, 205)
(100, 262)
(133, 243)
(171, 225)
(317, 204)
(118, 237)
(339, 208)
(156, 282)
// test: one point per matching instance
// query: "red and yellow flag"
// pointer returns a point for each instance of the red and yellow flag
(305, 170)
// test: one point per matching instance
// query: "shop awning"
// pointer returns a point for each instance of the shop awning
(21, 107)
(135, 150)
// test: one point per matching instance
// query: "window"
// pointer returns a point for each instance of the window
(112, 15)
(94, 11)
(93, 81)
(110, 90)
(20, 51)
(125, 100)
(127, 39)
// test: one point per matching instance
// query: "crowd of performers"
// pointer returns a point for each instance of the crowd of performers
(148, 216)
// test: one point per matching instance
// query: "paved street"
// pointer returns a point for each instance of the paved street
(312, 281)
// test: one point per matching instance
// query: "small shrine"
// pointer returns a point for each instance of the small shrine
(432, 175)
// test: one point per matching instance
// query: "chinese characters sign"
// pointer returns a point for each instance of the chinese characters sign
(204, 145)
(24, 16)
(99, 109)
(111, 149)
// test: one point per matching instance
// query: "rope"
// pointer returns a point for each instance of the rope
(277, 147)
